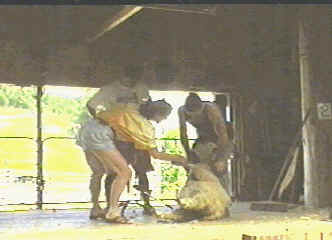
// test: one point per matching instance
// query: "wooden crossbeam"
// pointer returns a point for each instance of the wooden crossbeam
(211, 10)
(129, 11)
(120, 17)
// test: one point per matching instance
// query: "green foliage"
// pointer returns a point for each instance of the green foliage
(16, 97)
(60, 117)
(173, 177)
(73, 109)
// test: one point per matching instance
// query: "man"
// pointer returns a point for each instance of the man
(127, 92)
(210, 127)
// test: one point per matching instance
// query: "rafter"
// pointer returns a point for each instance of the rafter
(207, 10)
(116, 20)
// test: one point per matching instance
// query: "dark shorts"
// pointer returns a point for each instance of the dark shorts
(140, 160)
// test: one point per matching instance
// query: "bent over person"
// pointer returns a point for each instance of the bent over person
(128, 93)
(210, 127)
(132, 125)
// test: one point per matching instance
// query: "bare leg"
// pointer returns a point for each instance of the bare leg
(108, 183)
(114, 162)
(95, 184)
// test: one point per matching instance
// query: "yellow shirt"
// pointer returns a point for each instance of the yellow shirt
(118, 105)
(130, 126)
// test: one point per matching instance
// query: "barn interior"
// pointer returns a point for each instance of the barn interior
(273, 60)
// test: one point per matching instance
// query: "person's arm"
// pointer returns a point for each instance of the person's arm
(183, 131)
(174, 158)
(225, 145)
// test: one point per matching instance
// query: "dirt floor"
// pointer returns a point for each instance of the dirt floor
(297, 223)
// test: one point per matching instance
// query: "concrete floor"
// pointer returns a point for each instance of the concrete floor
(75, 224)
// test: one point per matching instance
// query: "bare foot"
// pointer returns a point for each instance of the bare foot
(114, 216)
(96, 213)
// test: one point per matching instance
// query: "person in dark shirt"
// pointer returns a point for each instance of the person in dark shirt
(210, 127)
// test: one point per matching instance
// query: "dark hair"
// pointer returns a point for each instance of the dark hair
(151, 108)
(193, 102)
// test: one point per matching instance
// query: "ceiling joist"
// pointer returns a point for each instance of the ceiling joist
(207, 10)
(116, 20)
(129, 11)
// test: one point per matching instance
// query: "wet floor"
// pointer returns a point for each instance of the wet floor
(32, 224)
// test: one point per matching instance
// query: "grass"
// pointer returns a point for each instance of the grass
(64, 167)
(61, 155)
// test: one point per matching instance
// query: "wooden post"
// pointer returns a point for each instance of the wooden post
(40, 178)
(314, 59)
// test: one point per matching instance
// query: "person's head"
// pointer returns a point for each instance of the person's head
(193, 103)
(156, 110)
(132, 75)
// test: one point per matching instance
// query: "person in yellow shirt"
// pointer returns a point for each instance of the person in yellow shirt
(126, 94)
(117, 106)
(97, 140)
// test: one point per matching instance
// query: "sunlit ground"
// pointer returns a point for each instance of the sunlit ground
(74, 224)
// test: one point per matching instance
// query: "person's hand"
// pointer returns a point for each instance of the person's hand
(225, 152)
(220, 166)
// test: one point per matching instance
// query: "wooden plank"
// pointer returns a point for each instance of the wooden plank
(290, 173)
(289, 155)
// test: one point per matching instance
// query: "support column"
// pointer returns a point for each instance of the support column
(314, 60)
(40, 178)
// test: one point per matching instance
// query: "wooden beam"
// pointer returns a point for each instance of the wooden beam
(210, 10)
(129, 11)
(306, 77)
(314, 52)
(116, 20)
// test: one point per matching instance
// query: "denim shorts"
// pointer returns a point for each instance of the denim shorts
(94, 135)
